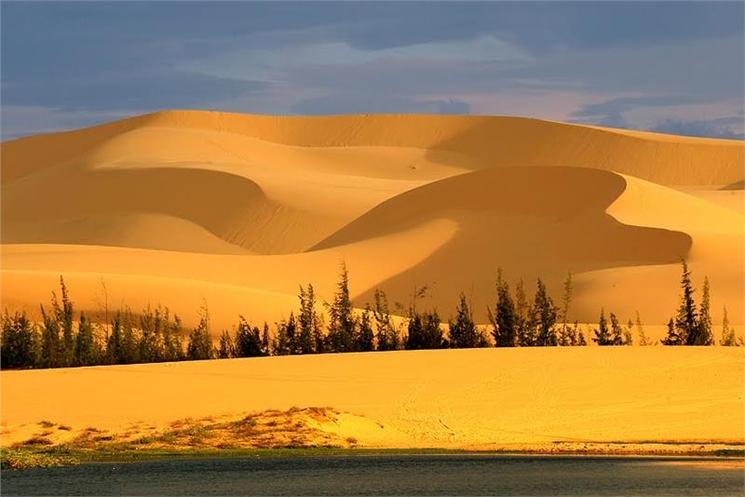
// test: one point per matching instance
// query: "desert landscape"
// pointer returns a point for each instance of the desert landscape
(190, 209)
(180, 207)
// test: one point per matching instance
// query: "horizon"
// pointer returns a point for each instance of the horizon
(614, 64)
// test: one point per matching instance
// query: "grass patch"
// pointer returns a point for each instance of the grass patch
(20, 458)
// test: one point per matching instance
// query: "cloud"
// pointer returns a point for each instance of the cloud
(378, 104)
(728, 127)
(96, 58)
(611, 112)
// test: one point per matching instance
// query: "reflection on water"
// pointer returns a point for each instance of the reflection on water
(383, 475)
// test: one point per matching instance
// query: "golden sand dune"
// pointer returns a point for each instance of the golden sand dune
(180, 206)
(485, 398)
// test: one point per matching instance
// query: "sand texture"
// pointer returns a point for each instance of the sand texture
(180, 207)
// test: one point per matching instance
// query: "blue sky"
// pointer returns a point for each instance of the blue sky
(669, 66)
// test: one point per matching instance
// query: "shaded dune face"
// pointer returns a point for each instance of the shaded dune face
(263, 203)
(232, 208)
(531, 221)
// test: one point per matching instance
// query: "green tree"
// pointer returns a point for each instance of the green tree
(85, 346)
(18, 344)
(580, 336)
(704, 334)
(673, 336)
(628, 336)
(342, 324)
(200, 343)
(685, 324)
(63, 314)
(51, 346)
(266, 341)
(226, 347)
(130, 344)
(463, 332)
(248, 341)
(616, 331)
(151, 337)
(543, 317)
(603, 334)
(505, 320)
(424, 331)
(114, 342)
(525, 333)
(308, 322)
(567, 334)
(643, 340)
(173, 349)
(728, 333)
(386, 333)
(365, 336)
(286, 331)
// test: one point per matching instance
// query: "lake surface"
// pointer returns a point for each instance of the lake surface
(381, 475)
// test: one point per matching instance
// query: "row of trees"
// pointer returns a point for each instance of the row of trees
(155, 335)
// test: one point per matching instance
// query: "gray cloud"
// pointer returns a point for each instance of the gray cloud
(96, 59)
(728, 127)
(378, 103)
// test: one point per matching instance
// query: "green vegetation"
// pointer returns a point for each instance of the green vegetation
(155, 335)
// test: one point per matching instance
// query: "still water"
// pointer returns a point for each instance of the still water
(381, 475)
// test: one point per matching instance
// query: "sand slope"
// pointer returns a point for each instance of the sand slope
(487, 398)
(176, 207)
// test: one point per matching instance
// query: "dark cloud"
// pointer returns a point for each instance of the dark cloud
(378, 104)
(98, 58)
(125, 90)
(610, 112)
(728, 127)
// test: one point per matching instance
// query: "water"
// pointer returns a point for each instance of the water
(380, 475)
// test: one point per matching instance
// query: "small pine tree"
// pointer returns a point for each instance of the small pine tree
(85, 350)
(365, 337)
(386, 334)
(285, 332)
(64, 315)
(200, 343)
(424, 331)
(342, 324)
(414, 332)
(543, 317)
(308, 322)
(728, 333)
(704, 334)
(130, 347)
(173, 349)
(602, 332)
(266, 341)
(248, 341)
(525, 333)
(504, 321)
(581, 340)
(226, 347)
(674, 336)
(151, 339)
(463, 333)
(643, 340)
(50, 341)
(686, 319)
(18, 344)
(628, 337)
(114, 341)
(567, 334)
(616, 331)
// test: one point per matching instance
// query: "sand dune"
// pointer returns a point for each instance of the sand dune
(180, 206)
(480, 398)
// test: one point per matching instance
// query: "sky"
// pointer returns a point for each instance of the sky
(674, 67)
